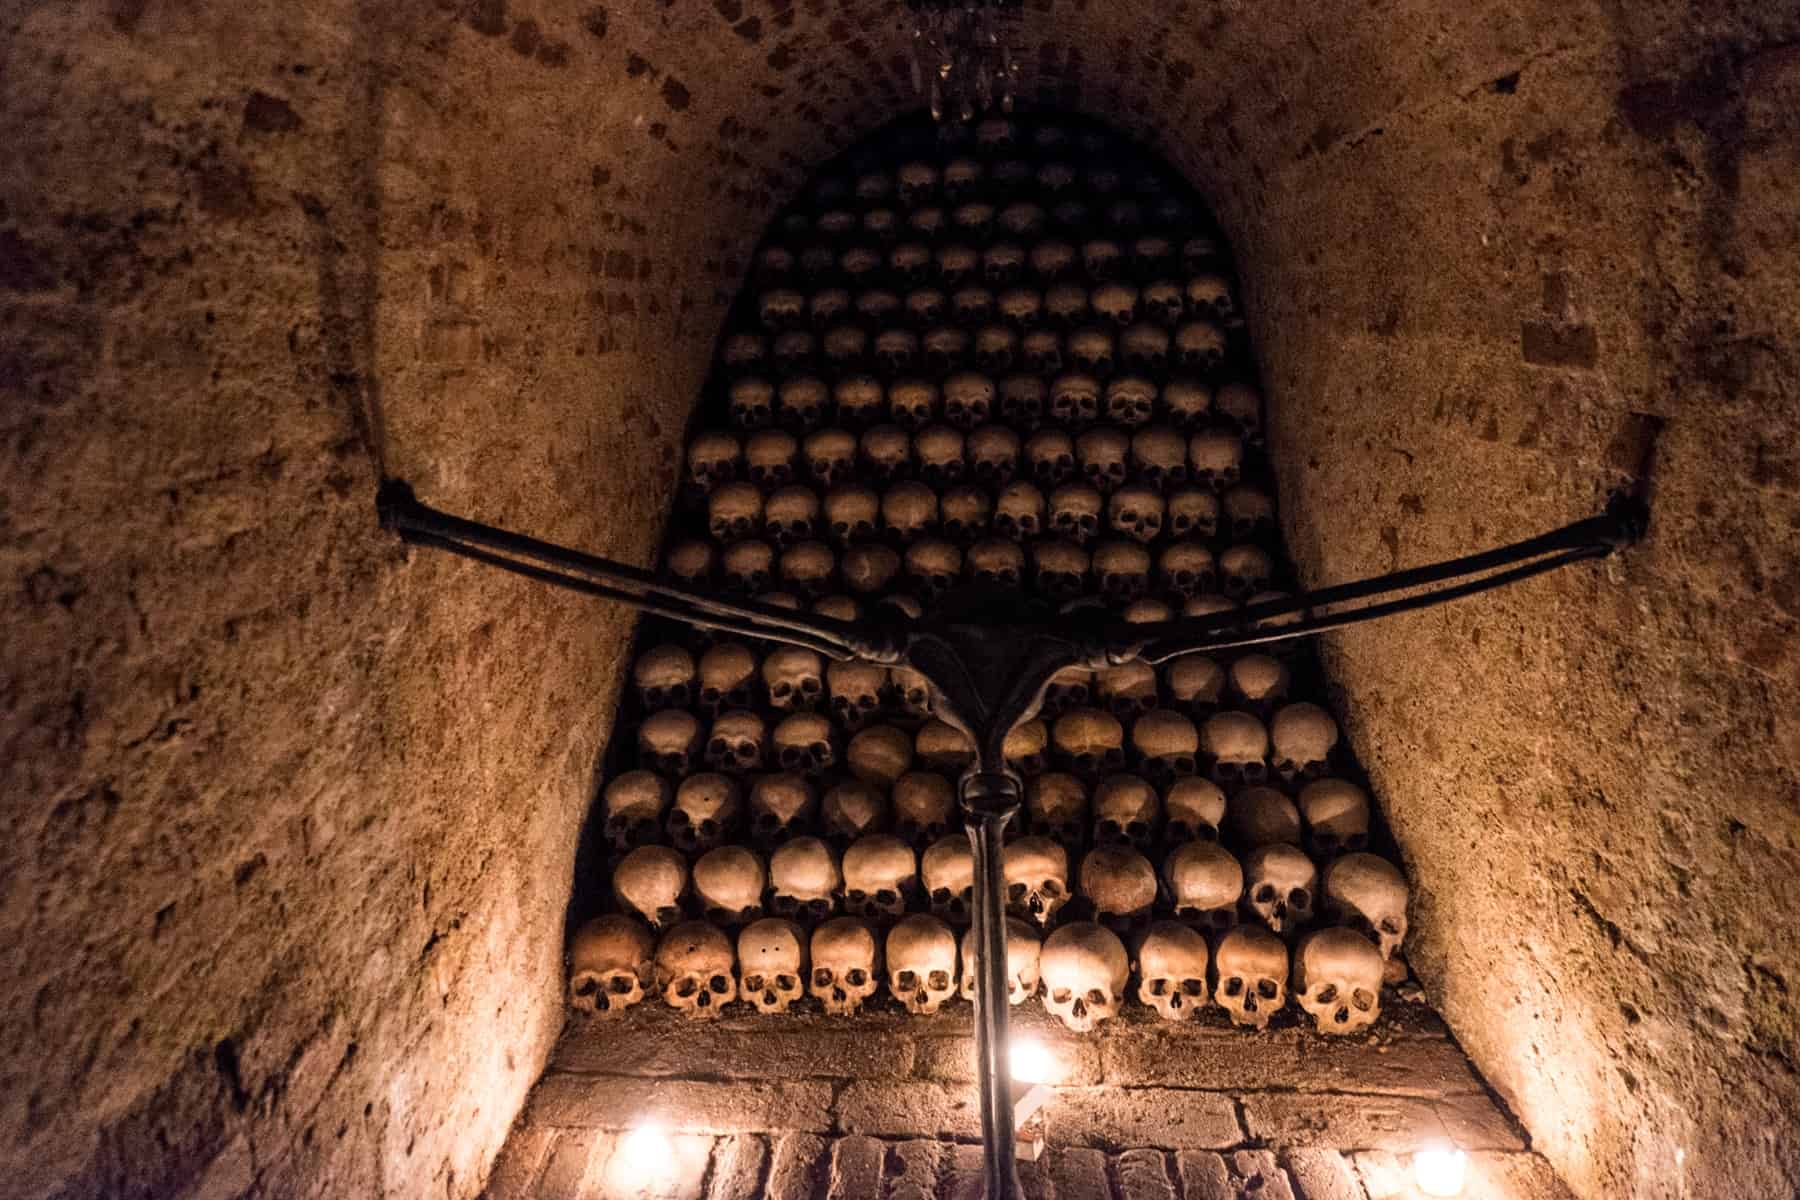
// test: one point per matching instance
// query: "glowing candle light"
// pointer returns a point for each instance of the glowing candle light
(645, 1153)
(1439, 1170)
(1030, 1062)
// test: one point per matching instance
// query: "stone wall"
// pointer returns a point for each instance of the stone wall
(292, 816)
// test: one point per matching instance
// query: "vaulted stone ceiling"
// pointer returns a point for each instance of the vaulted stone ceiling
(295, 815)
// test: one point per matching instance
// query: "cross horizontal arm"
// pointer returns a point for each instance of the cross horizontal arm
(1623, 523)
(592, 575)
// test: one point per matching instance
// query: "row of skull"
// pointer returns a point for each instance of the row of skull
(880, 877)
(728, 675)
(1122, 570)
(1068, 305)
(1198, 346)
(766, 416)
(1232, 747)
(1081, 970)
(706, 810)
(907, 511)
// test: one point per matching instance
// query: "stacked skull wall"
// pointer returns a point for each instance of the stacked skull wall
(1013, 359)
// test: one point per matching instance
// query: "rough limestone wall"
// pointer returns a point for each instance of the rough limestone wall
(290, 817)
(1485, 276)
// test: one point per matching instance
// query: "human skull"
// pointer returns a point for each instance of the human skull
(771, 956)
(887, 452)
(1368, 893)
(1163, 302)
(918, 183)
(1209, 296)
(1246, 571)
(634, 804)
(1193, 513)
(1128, 690)
(1200, 253)
(912, 403)
(1126, 811)
(1199, 345)
(668, 742)
(782, 806)
(1088, 741)
(940, 450)
(1166, 744)
(947, 869)
(1056, 806)
(1194, 809)
(993, 452)
(1071, 687)
(805, 743)
(1122, 569)
(1251, 513)
(1026, 748)
(791, 515)
(713, 459)
(1075, 512)
(966, 511)
(909, 511)
(1023, 399)
(1171, 970)
(1281, 885)
(830, 457)
(1084, 969)
(923, 805)
(924, 308)
(1195, 683)
(1067, 305)
(1051, 455)
(1092, 348)
(1263, 816)
(1337, 976)
(1060, 568)
(946, 346)
(1022, 951)
(1204, 883)
(910, 261)
(933, 565)
(1217, 459)
(1074, 399)
(794, 678)
(1252, 964)
(921, 963)
(805, 880)
(726, 671)
(1337, 817)
(855, 689)
(611, 962)
(869, 568)
(1021, 307)
(1130, 401)
(879, 755)
(1037, 879)
(1115, 302)
(1145, 347)
(1260, 680)
(1120, 885)
(909, 690)
(1241, 404)
(729, 882)
(1102, 257)
(1185, 569)
(1053, 259)
(1042, 351)
(1136, 512)
(649, 882)
(707, 808)
(807, 568)
(752, 402)
(749, 565)
(734, 511)
(1304, 736)
(845, 965)
(1003, 263)
(1188, 402)
(800, 402)
(851, 809)
(1238, 746)
(859, 400)
(996, 346)
(1159, 454)
(695, 971)
(851, 512)
(794, 350)
(692, 563)
(880, 874)
(746, 350)
(736, 742)
(828, 306)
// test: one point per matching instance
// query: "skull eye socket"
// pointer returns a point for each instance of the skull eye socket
(1096, 997)
(1193, 987)
(1266, 988)
(1363, 999)
(1136, 830)
(887, 896)
(620, 985)
(1299, 898)
(1159, 987)
(720, 984)
(1233, 987)
(753, 983)
(1326, 994)
(587, 986)
(1016, 892)
(686, 986)
(1390, 927)
(938, 981)
(1061, 995)
(906, 981)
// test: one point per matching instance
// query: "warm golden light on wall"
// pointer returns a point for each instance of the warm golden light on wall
(1439, 1170)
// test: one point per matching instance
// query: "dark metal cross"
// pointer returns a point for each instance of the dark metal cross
(988, 656)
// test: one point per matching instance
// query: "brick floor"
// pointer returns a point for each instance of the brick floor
(804, 1108)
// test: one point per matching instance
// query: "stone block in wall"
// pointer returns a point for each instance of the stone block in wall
(1161, 1117)
(1144, 1175)
(856, 1165)
(732, 1052)
(796, 1165)
(1259, 1175)
(1078, 1174)
(738, 1165)
(1323, 1175)
(1397, 1123)
(912, 1169)
(952, 1059)
(913, 1108)
(1287, 1060)
(593, 1102)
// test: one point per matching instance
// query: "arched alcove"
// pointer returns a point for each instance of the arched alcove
(294, 814)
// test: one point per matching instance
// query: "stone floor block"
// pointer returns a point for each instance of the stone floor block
(911, 1169)
(1078, 1174)
(856, 1166)
(796, 1166)
(588, 1101)
(739, 1164)
(1153, 1117)
(1144, 1175)
(909, 1109)
(1323, 1175)
(1259, 1177)
(1202, 1175)
(520, 1163)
